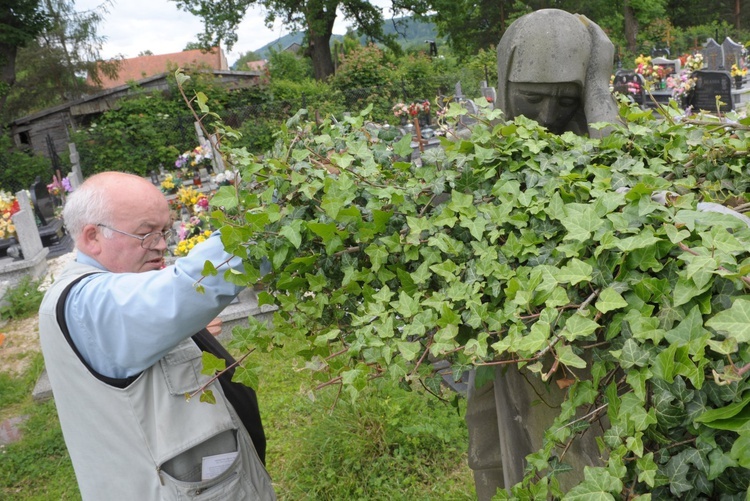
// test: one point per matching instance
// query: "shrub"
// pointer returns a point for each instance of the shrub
(22, 300)
(561, 254)
(19, 169)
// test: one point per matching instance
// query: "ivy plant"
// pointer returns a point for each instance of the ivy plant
(584, 260)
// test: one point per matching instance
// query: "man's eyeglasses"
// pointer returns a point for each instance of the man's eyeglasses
(149, 240)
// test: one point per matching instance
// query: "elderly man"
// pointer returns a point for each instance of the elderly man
(117, 333)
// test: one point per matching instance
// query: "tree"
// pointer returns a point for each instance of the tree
(20, 22)
(61, 63)
(314, 17)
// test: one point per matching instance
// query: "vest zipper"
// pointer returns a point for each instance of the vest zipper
(158, 472)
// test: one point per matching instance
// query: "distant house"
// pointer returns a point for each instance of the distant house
(138, 68)
(47, 132)
(255, 66)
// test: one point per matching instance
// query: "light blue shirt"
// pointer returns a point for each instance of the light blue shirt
(123, 323)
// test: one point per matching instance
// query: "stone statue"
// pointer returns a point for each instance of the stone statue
(553, 67)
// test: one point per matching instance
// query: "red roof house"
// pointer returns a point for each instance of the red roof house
(138, 68)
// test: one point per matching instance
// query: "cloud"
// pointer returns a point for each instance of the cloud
(134, 26)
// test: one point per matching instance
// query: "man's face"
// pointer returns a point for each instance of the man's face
(552, 105)
(138, 215)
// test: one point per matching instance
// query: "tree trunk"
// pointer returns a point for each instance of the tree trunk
(631, 27)
(320, 54)
(737, 14)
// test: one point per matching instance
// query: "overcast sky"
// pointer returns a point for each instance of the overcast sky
(134, 26)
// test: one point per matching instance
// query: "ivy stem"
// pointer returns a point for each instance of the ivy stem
(220, 373)
(424, 354)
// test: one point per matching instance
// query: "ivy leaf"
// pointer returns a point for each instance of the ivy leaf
(566, 356)
(207, 397)
(581, 220)
(409, 349)
(734, 322)
(577, 326)
(246, 375)
(403, 147)
(574, 272)
(598, 485)
(292, 233)
(212, 364)
(209, 270)
(225, 197)
(632, 355)
(609, 300)
(741, 450)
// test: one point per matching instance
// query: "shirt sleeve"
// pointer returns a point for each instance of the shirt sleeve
(123, 323)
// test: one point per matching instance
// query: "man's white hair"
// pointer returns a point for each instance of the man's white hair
(86, 205)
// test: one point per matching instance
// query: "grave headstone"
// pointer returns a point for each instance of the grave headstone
(44, 204)
(26, 229)
(33, 262)
(458, 93)
(732, 53)
(708, 86)
(713, 55)
(630, 83)
(51, 229)
(673, 66)
(76, 176)
(660, 52)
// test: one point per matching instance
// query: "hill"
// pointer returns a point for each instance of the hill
(410, 32)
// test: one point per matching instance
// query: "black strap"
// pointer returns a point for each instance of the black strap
(60, 314)
(243, 398)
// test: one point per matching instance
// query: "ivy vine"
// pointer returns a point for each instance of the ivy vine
(590, 263)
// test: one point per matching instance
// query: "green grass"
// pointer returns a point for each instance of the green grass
(22, 300)
(389, 445)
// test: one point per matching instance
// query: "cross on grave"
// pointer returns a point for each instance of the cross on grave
(732, 53)
(713, 55)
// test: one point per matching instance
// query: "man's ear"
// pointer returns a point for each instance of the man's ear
(90, 240)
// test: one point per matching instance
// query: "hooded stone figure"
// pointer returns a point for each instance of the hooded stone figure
(554, 67)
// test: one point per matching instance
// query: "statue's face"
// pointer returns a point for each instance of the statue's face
(552, 105)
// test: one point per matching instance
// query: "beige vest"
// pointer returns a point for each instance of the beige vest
(146, 441)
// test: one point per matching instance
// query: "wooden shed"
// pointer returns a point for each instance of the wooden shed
(47, 132)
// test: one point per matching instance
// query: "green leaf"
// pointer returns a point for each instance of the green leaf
(292, 233)
(209, 270)
(207, 397)
(741, 450)
(246, 376)
(581, 220)
(403, 147)
(409, 350)
(566, 356)
(577, 326)
(225, 197)
(212, 364)
(598, 485)
(734, 322)
(609, 300)
(574, 272)
(725, 412)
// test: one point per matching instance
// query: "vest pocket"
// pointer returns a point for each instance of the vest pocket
(182, 368)
(238, 482)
